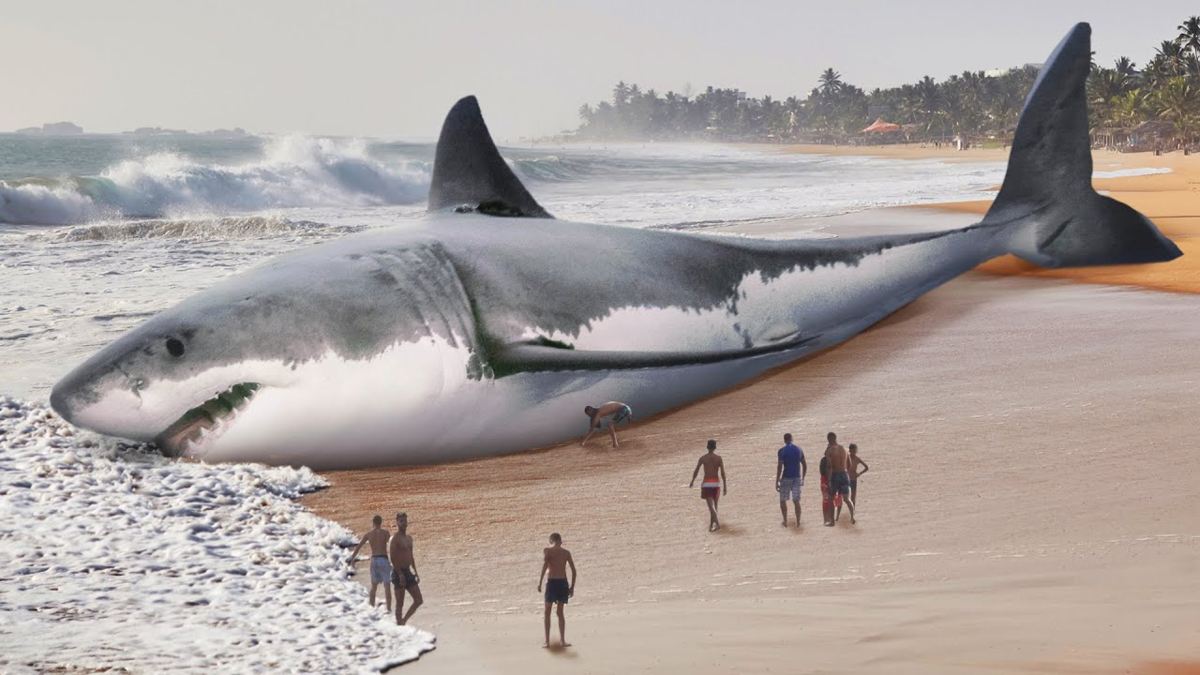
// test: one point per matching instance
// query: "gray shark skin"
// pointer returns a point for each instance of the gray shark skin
(468, 333)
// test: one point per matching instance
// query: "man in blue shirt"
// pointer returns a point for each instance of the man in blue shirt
(789, 476)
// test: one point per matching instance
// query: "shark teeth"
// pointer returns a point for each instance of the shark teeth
(193, 433)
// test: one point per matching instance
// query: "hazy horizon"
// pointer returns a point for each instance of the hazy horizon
(388, 70)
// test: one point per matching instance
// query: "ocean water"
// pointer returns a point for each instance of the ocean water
(98, 233)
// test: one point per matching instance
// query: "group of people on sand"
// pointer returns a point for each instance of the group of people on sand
(840, 470)
(392, 556)
(392, 560)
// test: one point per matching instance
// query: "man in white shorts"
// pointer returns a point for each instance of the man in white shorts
(381, 569)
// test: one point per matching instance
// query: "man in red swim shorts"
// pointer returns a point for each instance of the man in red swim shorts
(828, 505)
(711, 487)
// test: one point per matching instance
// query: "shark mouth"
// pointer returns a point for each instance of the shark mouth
(190, 435)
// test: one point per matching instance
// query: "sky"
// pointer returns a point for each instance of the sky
(392, 68)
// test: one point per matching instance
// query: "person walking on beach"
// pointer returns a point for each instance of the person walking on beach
(712, 486)
(381, 570)
(789, 476)
(555, 560)
(618, 411)
(855, 462)
(404, 570)
(839, 475)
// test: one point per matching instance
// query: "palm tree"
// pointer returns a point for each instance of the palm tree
(1126, 70)
(1189, 35)
(620, 94)
(1129, 109)
(929, 101)
(1178, 100)
(831, 82)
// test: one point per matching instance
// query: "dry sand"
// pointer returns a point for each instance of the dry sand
(1032, 507)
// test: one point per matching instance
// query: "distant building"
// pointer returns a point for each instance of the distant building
(61, 129)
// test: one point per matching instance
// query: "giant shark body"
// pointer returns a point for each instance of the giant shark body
(487, 326)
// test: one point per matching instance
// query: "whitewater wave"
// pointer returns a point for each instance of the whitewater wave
(296, 171)
(218, 228)
(553, 168)
(172, 566)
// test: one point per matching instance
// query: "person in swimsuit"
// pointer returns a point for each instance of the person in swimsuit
(555, 560)
(404, 570)
(617, 411)
(789, 476)
(381, 570)
(839, 472)
(855, 462)
(711, 487)
(831, 505)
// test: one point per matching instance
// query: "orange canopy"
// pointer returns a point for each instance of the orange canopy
(882, 127)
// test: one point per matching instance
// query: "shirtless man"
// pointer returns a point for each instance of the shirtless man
(619, 412)
(555, 559)
(855, 462)
(380, 569)
(404, 570)
(831, 505)
(711, 487)
(839, 476)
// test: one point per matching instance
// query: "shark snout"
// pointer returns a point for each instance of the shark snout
(103, 398)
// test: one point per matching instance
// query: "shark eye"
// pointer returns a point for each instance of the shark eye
(175, 347)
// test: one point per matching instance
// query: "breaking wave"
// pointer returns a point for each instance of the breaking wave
(295, 172)
(218, 228)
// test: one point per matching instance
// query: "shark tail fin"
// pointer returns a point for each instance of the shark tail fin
(1047, 202)
(468, 170)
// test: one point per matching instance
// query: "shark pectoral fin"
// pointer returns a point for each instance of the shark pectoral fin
(533, 357)
(469, 174)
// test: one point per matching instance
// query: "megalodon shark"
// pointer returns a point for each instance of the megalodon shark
(488, 325)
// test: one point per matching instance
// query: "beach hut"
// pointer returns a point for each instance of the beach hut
(881, 127)
(1152, 135)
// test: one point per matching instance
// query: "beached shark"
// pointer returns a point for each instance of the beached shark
(488, 325)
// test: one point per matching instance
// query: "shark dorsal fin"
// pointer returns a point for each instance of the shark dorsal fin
(469, 172)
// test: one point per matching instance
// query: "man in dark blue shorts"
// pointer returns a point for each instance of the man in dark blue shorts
(558, 591)
(839, 473)
(789, 476)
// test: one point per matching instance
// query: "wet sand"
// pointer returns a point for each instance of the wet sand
(1031, 507)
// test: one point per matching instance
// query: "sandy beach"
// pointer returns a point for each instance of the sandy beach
(1031, 504)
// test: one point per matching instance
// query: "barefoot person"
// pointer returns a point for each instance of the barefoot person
(855, 462)
(616, 411)
(555, 559)
(381, 570)
(712, 486)
(831, 505)
(839, 472)
(404, 570)
(789, 476)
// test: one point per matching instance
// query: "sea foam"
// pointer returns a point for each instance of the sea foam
(112, 557)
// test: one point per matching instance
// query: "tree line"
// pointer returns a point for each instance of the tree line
(1122, 97)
